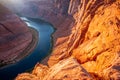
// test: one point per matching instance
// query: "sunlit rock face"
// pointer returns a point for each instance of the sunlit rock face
(97, 47)
(14, 36)
(93, 41)
(68, 69)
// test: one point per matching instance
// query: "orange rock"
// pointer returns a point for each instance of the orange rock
(93, 39)
(100, 45)
(26, 76)
(40, 71)
(67, 69)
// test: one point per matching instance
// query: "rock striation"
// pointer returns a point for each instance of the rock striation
(14, 36)
(90, 42)
(70, 67)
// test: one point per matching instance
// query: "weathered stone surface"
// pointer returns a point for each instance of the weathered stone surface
(40, 71)
(68, 69)
(99, 42)
(55, 12)
(73, 6)
(27, 76)
(93, 40)
(14, 36)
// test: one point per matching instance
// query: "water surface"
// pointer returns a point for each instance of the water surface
(41, 51)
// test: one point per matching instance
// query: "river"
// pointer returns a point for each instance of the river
(41, 51)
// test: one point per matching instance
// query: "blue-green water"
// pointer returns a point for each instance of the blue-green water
(41, 51)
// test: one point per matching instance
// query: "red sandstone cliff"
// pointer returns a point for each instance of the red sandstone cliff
(91, 49)
(14, 36)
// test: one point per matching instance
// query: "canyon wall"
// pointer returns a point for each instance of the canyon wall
(86, 49)
(14, 36)
(53, 11)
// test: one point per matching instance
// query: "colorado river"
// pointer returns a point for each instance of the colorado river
(41, 51)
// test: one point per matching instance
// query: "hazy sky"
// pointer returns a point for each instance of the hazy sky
(16, 5)
(13, 4)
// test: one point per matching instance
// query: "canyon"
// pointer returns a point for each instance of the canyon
(15, 37)
(86, 41)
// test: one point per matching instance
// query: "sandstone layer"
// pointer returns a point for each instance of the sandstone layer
(69, 69)
(93, 41)
(14, 36)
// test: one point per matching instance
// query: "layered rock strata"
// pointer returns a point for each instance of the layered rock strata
(93, 41)
(68, 69)
(14, 36)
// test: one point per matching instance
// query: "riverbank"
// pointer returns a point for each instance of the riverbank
(31, 46)
(41, 43)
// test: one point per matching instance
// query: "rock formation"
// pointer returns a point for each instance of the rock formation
(92, 40)
(68, 69)
(53, 11)
(14, 36)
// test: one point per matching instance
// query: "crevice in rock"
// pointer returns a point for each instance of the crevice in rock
(7, 28)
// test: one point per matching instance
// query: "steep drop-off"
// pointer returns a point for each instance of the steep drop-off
(55, 12)
(91, 49)
(15, 37)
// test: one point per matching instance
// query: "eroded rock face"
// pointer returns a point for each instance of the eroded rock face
(68, 69)
(14, 36)
(99, 40)
(93, 41)
(55, 12)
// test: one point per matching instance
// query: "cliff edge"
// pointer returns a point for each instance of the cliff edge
(91, 50)
(15, 36)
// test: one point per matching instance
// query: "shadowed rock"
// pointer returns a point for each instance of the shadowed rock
(14, 36)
